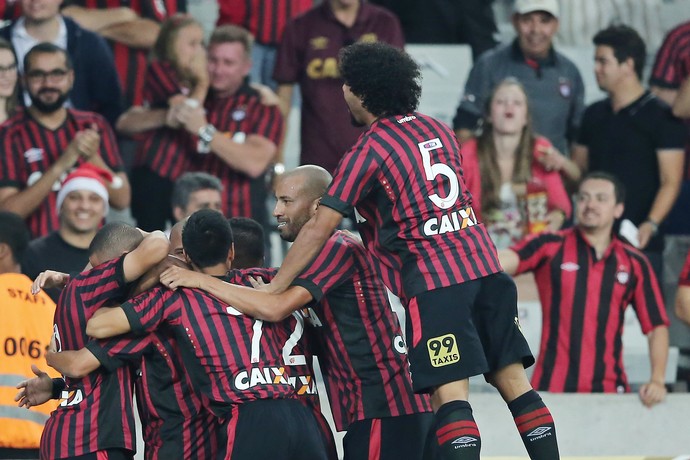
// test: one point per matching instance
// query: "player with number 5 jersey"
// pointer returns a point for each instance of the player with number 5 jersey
(403, 181)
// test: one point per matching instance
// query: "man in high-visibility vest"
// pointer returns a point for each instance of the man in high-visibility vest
(25, 331)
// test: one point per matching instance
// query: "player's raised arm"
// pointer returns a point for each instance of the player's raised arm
(152, 250)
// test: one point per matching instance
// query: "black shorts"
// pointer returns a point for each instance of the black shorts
(390, 438)
(463, 330)
(273, 429)
(108, 454)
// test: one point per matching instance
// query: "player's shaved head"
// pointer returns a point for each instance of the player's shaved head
(113, 240)
(176, 239)
(315, 180)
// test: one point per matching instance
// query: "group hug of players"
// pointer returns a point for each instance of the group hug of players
(213, 382)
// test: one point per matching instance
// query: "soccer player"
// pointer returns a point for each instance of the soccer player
(175, 423)
(586, 278)
(361, 348)
(249, 376)
(403, 179)
(96, 418)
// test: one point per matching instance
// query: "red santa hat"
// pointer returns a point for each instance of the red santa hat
(86, 177)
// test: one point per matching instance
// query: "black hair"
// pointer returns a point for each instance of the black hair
(14, 233)
(626, 43)
(386, 78)
(207, 238)
(45, 48)
(618, 186)
(113, 240)
(248, 236)
(191, 182)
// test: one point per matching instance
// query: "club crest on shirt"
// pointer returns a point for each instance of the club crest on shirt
(622, 275)
(564, 87)
(239, 114)
(570, 266)
(319, 43)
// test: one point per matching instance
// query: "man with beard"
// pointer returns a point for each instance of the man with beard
(41, 144)
(586, 278)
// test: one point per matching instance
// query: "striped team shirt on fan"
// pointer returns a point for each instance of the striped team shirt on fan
(10, 9)
(165, 151)
(583, 301)
(131, 62)
(230, 358)
(97, 413)
(361, 349)
(237, 117)
(404, 179)
(685, 273)
(28, 149)
(265, 19)
(174, 422)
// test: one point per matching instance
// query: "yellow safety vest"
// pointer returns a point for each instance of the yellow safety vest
(26, 325)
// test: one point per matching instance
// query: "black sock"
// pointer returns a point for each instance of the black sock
(536, 426)
(457, 435)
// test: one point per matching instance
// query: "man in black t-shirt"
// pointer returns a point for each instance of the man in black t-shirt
(633, 135)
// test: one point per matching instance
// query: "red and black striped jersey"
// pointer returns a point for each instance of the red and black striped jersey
(404, 179)
(265, 19)
(174, 422)
(583, 301)
(230, 358)
(28, 149)
(237, 117)
(166, 151)
(361, 348)
(131, 62)
(97, 411)
(10, 9)
(672, 64)
(685, 273)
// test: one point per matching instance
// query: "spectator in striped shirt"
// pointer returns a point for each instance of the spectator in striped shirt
(265, 20)
(40, 145)
(587, 277)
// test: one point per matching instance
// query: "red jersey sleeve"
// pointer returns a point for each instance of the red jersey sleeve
(647, 299)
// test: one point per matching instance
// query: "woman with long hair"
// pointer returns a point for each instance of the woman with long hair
(9, 87)
(515, 190)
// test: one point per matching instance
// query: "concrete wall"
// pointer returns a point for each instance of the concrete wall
(593, 425)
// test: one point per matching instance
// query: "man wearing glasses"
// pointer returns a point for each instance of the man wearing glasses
(96, 83)
(43, 143)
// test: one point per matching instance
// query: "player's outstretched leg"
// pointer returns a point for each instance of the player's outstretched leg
(457, 435)
(535, 424)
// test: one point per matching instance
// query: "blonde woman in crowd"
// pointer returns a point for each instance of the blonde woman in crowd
(512, 172)
(8, 81)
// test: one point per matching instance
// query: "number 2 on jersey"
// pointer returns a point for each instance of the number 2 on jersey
(288, 358)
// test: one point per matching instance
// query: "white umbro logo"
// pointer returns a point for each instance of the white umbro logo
(33, 155)
(570, 266)
(464, 440)
(539, 431)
